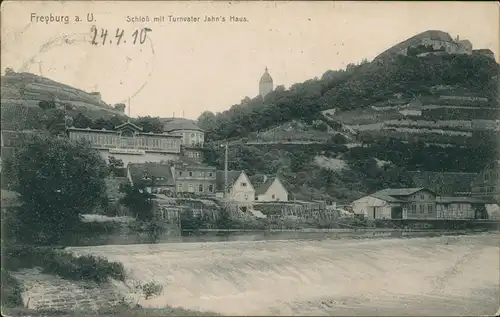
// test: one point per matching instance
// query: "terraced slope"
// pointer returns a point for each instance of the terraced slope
(21, 93)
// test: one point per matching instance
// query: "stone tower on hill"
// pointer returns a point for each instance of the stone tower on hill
(265, 84)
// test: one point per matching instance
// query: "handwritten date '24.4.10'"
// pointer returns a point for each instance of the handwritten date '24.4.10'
(102, 36)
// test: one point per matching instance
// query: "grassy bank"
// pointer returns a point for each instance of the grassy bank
(55, 262)
(124, 311)
(62, 263)
(68, 266)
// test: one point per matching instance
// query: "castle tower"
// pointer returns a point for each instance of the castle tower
(265, 84)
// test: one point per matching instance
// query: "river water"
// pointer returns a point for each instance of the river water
(447, 275)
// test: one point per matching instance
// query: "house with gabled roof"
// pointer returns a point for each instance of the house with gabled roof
(397, 203)
(270, 189)
(240, 191)
(155, 177)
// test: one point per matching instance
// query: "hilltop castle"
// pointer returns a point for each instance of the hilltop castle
(438, 40)
(265, 84)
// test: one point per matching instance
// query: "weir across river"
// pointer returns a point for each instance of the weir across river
(448, 275)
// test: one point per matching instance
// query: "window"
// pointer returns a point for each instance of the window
(210, 188)
(422, 197)
(210, 174)
(273, 196)
(200, 188)
(180, 173)
(429, 209)
(413, 208)
(179, 187)
(190, 188)
(422, 209)
(246, 196)
(243, 184)
(190, 173)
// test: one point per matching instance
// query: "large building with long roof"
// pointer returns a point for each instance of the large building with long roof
(128, 143)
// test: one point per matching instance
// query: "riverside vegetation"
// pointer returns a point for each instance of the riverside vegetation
(58, 181)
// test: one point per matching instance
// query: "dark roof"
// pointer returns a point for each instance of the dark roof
(144, 172)
(173, 124)
(432, 34)
(188, 162)
(395, 194)
(266, 78)
(232, 176)
(451, 199)
(444, 183)
(483, 51)
(262, 189)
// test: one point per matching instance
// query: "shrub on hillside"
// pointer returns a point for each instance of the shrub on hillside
(63, 263)
(11, 290)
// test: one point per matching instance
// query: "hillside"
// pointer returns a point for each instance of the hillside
(21, 93)
(327, 136)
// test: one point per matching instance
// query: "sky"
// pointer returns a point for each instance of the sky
(185, 68)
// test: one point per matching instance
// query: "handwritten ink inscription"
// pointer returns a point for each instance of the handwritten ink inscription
(103, 37)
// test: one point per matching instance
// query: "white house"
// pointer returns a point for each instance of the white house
(271, 189)
(373, 207)
(240, 190)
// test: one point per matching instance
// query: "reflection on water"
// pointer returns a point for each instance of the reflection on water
(224, 236)
(425, 276)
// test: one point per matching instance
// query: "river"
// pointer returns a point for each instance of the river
(447, 275)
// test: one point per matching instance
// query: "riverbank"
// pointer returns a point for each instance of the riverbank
(125, 311)
(222, 235)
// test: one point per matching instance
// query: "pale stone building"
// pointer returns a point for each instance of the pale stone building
(128, 143)
(265, 84)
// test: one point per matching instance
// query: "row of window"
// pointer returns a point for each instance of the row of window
(422, 197)
(191, 188)
(195, 155)
(490, 189)
(195, 174)
(422, 209)
(114, 140)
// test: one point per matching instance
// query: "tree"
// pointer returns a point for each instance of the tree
(138, 200)
(58, 180)
(9, 71)
(81, 121)
(150, 124)
(44, 104)
(206, 120)
(54, 120)
(115, 166)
